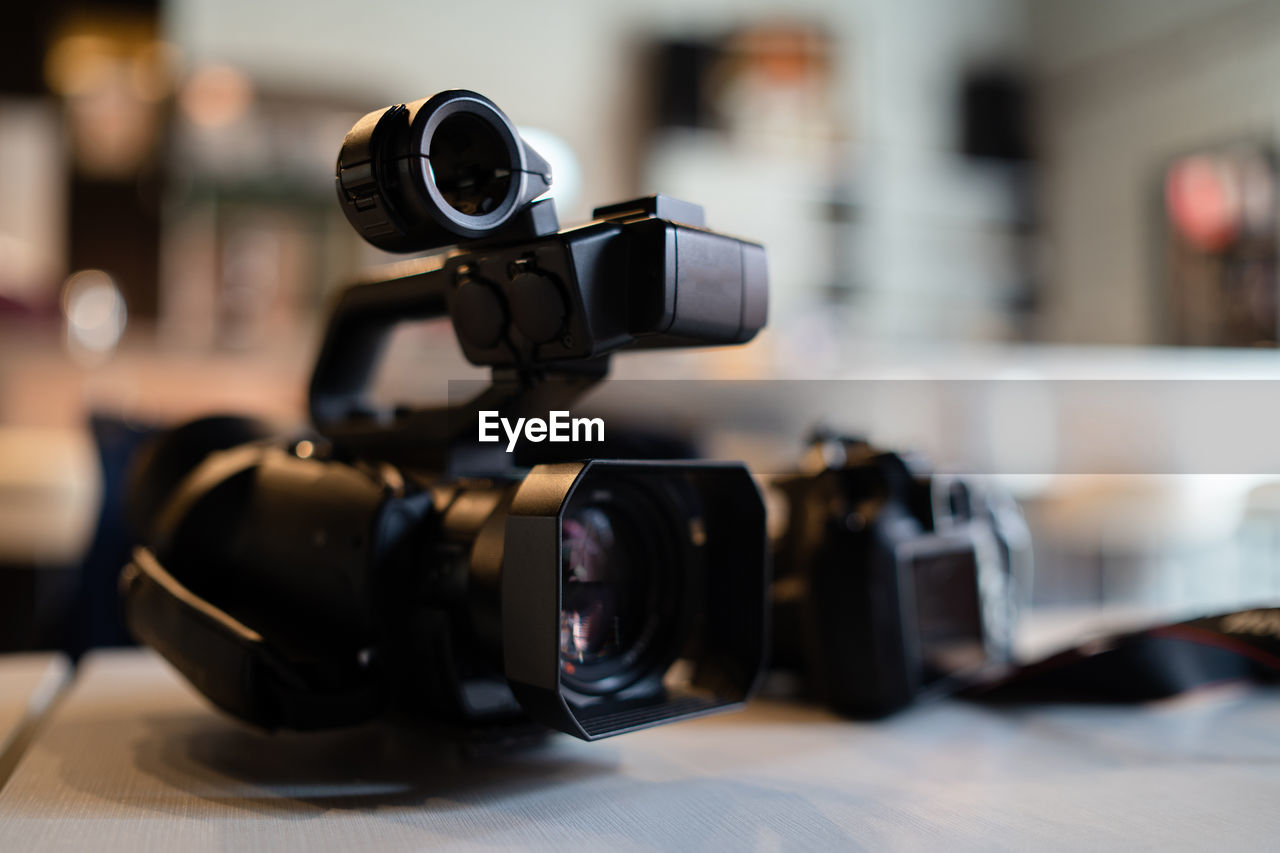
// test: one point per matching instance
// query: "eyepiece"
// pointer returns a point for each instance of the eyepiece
(469, 166)
(420, 176)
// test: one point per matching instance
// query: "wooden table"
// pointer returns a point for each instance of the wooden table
(131, 759)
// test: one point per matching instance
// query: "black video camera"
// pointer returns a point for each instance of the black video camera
(891, 584)
(332, 580)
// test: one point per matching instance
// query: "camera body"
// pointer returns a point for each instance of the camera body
(370, 589)
(893, 585)
(358, 572)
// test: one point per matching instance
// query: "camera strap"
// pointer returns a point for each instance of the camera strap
(237, 668)
(1153, 663)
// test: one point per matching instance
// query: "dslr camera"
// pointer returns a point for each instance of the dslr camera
(384, 564)
(893, 584)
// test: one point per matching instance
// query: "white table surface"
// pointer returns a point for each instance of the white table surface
(131, 759)
(28, 684)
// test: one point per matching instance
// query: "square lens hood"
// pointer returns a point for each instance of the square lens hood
(718, 640)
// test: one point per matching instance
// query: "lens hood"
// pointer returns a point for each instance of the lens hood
(716, 639)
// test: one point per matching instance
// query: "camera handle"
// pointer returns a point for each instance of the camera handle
(354, 340)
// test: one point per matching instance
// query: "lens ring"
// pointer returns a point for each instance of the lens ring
(493, 138)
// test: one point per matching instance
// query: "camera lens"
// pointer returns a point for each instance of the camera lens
(599, 618)
(610, 606)
(469, 164)
(630, 593)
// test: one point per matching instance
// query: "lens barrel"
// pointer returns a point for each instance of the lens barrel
(420, 176)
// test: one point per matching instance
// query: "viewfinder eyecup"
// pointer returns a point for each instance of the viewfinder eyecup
(438, 171)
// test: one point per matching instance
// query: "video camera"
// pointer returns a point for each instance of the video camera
(334, 579)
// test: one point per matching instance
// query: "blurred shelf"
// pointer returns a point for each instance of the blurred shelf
(43, 385)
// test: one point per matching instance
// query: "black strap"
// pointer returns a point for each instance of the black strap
(235, 666)
(1153, 663)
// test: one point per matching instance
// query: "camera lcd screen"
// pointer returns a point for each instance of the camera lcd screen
(947, 611)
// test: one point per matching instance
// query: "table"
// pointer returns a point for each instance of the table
(131, 759)
(28, 685)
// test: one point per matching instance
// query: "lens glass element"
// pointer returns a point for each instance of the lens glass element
(604, 600)
(470, 164)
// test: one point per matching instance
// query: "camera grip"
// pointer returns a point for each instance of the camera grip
(235, 666)
(359, 327)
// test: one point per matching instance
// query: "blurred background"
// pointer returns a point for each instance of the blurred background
(1020, 190)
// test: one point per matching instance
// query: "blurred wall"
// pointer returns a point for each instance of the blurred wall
(1124, 87)
(920, 252)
